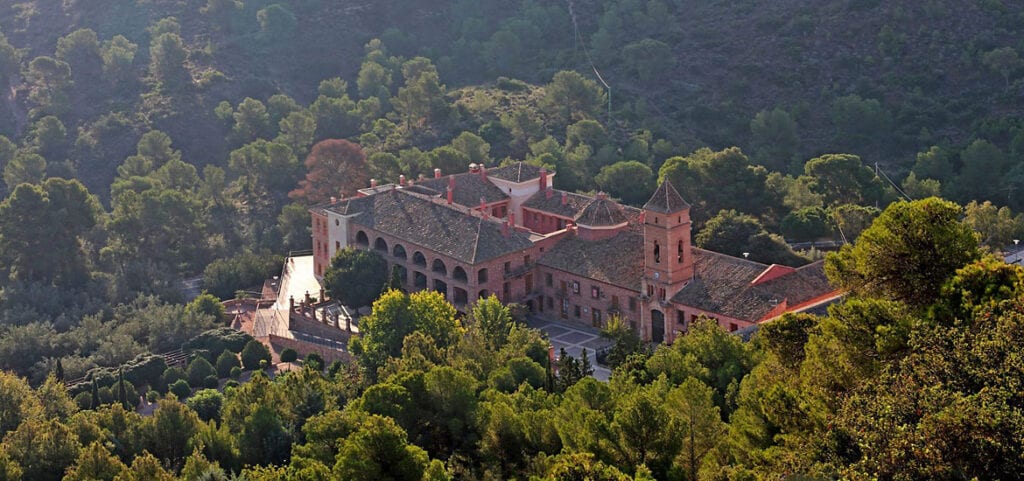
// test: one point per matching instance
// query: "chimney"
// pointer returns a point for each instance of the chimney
(512, 218)
(401, 180)
(543, 179)
(451, 186)
(504, 228)
(565, 198)
(483, 172)
(333, 199)
(437, 173)
(373, 183)
(601, 196)
(483, 207)
(548, 192)
(473, 167)
(642, 218)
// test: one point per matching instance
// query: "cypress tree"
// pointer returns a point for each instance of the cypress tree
(95, 395)
(122, 394)
(59, 371)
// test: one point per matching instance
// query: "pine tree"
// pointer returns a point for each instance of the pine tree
(59, 371)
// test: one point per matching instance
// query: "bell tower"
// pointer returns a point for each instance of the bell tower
(668, 257)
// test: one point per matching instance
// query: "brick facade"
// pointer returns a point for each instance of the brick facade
(563, 255)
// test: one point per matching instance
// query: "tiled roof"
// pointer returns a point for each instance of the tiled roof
(617, 260)
(722, 284)
(666, 200)
(469, 188)
(517, 172)
(601, 212)
(573, 206)
(420, 221)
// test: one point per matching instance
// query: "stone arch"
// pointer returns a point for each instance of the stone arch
(361, 239)
(438, 267)
(399, 252)
(380, 244)
(459, 274)
(481, 276)
(419, 259)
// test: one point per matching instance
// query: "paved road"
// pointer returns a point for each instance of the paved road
(574, 338)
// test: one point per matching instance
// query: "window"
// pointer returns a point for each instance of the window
(595, 292)
(733, 327)
(550, 302)
(661, 293)
(506, 292)
(526, 260)
(508, 266)
(337, 245)
(679, 256)
(615, 302)
(575, 287)
(680, 317)
(576, 310)
(596, 317)
(632, 304)
(547, 279)
(657, 253)
(337, 222)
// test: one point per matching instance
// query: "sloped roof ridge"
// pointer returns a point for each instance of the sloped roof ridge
(666, 199)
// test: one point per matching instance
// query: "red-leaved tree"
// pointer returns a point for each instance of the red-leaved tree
(335, 167)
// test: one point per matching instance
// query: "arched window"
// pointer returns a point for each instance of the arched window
(679, 258)
(481, 276)
(362, 239)
(399, 252)
(439, 267)
(381, 245)
(657, 253)
(459, 274)
(419, 259)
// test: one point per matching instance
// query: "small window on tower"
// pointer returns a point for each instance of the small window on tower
(657, 253)
(679, 258)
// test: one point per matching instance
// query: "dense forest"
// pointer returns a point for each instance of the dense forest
(143, 143)
(916, 375)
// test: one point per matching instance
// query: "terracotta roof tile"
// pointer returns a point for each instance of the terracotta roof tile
(420, 221)
(573, 206)
(617, 260)
(723, 284)
(601, 212)
(517, 172)
(469, 188)
(666, 200)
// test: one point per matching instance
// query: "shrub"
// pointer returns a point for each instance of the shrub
(169, 376)
(225, 362)
(231, 384)
(180, 388)
(222, 277)
(199, 370)
(219, 339)
(145, 369)
(152, 396)
(235, 373)
(207, 404)
(84, 400)
(315, 361)
(253, 353)
(211, 382)
(289, 355)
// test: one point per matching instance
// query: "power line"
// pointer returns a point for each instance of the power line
(878, 170)
(579, 41)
